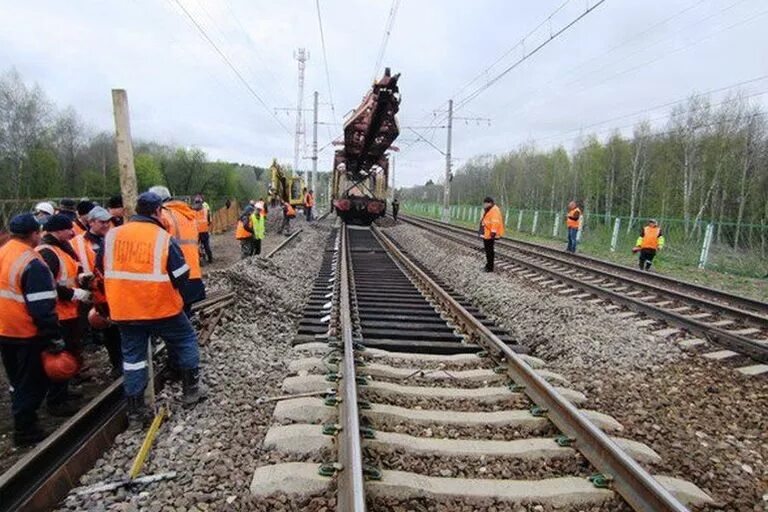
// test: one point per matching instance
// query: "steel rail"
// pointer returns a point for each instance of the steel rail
(284, 243)
(754, 307)
(737, 342)
(350, 483)
(44, 476)
(638, 488)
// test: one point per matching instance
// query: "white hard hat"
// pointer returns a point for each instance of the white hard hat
(44, 207)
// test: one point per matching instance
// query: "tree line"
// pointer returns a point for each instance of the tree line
(708, 162)
(48, 152)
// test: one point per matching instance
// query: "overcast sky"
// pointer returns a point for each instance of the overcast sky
(624, 57)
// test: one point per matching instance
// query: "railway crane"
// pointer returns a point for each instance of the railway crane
(361, 167)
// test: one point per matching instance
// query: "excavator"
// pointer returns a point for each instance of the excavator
(285, 187)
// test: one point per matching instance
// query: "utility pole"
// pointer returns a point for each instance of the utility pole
(447, 188)
(314, 146)
(124, 150)
(302, 56)
(393, 177)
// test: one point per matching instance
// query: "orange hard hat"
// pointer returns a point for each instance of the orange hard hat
(61, 366)
(97, 321)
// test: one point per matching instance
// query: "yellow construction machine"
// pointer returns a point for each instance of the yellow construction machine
(284, 187)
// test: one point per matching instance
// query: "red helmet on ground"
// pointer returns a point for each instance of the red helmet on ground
(98, 321)
(60, 367)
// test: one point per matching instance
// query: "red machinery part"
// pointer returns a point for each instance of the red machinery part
(375, 207)
(342, 205)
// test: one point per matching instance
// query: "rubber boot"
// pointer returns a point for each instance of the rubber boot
(27, 431)
(193, 391)
(139, 416)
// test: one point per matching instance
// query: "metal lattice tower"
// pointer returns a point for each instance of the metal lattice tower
(302, 56)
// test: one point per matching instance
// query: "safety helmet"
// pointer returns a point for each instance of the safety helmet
(98, 321)
(44, 207)
(60, 367)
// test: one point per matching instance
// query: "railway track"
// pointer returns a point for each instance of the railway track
(738, 324)
(45, 474)
(405, 394)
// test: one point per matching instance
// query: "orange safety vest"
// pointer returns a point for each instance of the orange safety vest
(136, 279)
(67, 276)
(15, 320)
(180, 222)
(570, 223)
(290, 211)
(87, 256)
(240, 232)
(493, 223)
(201, 216)
(77, 229)
(309, 200)
(650, 237)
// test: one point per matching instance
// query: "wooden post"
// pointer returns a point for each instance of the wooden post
(124, 150)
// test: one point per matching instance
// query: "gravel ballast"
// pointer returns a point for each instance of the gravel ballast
(706, 421)
(216, 446)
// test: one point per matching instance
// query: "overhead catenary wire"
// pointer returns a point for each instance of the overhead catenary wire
(385, 39)
(229, 63)
(571, 91)
(554, 35)
(325, 60)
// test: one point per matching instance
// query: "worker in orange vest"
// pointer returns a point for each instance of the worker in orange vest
(179, 220)
(57, 252)
(650, 241)
(81, 221)
(573, 223)
(87, 246)
(309, 203)
(491, 228)
(289, 212)
(116, 210)
(28, 325)
(144, 280)
(203, 218)
(244, 233)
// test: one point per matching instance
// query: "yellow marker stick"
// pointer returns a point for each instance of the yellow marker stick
(138, 462)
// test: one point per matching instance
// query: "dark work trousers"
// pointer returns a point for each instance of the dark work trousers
(646, 258)
(179, 336)
(395, 210)
(308, 212)
(285, 227)
(246, 247)
(111, 338)
(72, 331)
(205, 240)
(257, 246)
(488, 243)
(573, 234)
(29, 385)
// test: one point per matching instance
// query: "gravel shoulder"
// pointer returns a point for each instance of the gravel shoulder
(708, 422)
(216, 446)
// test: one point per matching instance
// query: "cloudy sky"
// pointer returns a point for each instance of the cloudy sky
(626, 60)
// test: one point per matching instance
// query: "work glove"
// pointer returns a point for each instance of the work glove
(85, 280)
(81, 295)
(493, 236)
(55, 346)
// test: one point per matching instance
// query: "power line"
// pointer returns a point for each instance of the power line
(385, 39)
(560, 140)
(231, 65)
(325, 61)
(526, 56)
(572, 91)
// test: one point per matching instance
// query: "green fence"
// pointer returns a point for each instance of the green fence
(725, 247)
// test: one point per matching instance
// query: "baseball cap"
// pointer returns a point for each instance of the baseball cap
(99, 213)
